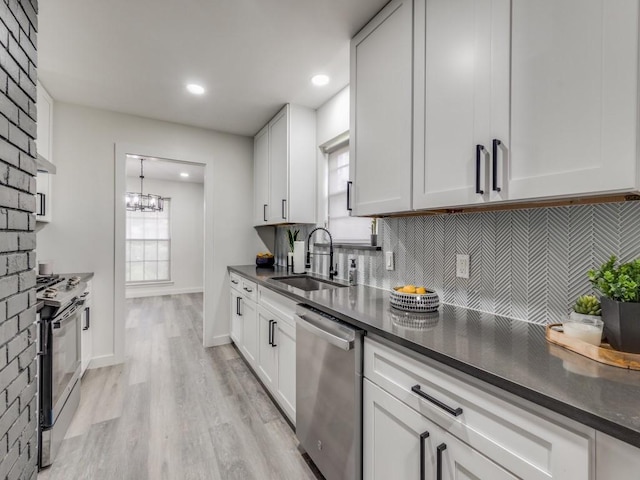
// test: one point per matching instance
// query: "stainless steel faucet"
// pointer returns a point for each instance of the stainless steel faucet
(332, 270)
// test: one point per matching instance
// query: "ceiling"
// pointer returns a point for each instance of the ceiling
(160, 169)
(252, 56)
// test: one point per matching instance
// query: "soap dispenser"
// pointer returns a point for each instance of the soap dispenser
(353, 273)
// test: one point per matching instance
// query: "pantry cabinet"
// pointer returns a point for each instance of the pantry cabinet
(381, 106)
(285, 168)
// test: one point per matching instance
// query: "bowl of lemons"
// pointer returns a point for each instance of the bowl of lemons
(411, 298)
(265, 260)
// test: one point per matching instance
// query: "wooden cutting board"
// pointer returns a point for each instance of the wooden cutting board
(602, 354)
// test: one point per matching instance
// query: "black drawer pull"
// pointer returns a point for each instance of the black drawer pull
(247, 289)
(235, 282)
(273, 333)
(453, 411)
(423, 437)
(479, 152)
(440, 448)
(496, 144)
(270, 333)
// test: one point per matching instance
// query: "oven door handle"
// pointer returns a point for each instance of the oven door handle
(43, 339)
(70, 314)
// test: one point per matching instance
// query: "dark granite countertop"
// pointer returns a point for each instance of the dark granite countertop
(510, 354)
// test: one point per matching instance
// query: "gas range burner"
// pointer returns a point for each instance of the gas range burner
(50, 293)
(45, 281)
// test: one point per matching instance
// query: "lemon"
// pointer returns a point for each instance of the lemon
(409, 289)
(421, 290)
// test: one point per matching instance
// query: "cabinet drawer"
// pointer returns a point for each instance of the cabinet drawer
(249, 290)
(235, 281)
(277, 304)
(530, 446)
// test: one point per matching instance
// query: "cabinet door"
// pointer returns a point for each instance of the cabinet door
(285, 339)
(249, 331)
(465, 79)
(43, 197)
(267, 348)
(261, 176)
(574, 96)
(399, 442)
(278, 167)
(236, 319)
(392, 438)
(381, 112)
(45, 123)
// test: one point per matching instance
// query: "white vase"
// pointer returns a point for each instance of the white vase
(298, 257)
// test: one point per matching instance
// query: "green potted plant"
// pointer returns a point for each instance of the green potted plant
(293, 236)
(620, 289)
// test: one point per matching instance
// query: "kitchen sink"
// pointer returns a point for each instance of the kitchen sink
(308, 284)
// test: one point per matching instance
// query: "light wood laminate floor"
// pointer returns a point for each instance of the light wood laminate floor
(175, 410)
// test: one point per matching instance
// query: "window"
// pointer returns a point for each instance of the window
(344, 229)
(148, 246)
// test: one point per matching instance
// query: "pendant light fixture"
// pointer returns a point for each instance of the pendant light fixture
(140, 201)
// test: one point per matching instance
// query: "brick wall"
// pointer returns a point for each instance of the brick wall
(18, 414)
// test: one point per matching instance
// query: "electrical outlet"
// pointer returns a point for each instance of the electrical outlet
(462, 266)
(388, 260)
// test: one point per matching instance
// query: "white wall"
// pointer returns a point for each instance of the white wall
(332, 120)
(187, 236)
(81, 238)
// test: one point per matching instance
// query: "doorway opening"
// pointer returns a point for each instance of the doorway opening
(164, 252)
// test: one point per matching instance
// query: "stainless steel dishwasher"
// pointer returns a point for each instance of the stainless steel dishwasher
(329, 393)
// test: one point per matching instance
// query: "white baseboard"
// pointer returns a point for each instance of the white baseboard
(220, 340)
(159, 291)
(103, 361)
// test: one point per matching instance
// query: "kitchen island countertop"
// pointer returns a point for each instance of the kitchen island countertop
(507, 353)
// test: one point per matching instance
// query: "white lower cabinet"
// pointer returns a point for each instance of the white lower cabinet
(402, 443)
(263, 328)
(267, 348)
(249, 314)
(486, 436)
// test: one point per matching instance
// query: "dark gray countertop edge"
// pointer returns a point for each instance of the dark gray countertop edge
(592, 420)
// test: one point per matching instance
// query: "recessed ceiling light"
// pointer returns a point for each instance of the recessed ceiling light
(184, 174)
(320, 80)
(195, 89)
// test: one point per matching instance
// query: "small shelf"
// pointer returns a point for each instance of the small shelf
(350, 246)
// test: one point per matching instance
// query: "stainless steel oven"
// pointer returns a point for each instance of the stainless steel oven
(59, 372)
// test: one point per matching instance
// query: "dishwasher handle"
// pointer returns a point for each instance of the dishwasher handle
(342, 342)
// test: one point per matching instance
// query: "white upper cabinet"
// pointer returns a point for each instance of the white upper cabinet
(261, 176)
(459, 103)
(461, 98)
(278, 171)
(44, 123)
(381, 111)
(285, 168)
(574, 97)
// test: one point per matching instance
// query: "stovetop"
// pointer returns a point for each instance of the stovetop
(58, 292)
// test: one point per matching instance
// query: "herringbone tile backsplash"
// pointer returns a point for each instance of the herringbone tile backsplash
(526, 264)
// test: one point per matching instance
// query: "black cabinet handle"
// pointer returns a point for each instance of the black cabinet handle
(496, 144)
(87, 318)
(273, 333)
(453, 411)
(284, 209)
(238, 300)
(270, 333)
(349, 184)
(440, 448)
(235, 282)
(479, 151)
(248, 290)
(423, 437)
(264, 212)
(42, 210)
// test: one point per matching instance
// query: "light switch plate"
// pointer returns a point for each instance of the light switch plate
(388, 261)
(462, 266)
